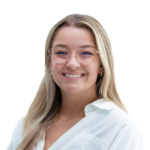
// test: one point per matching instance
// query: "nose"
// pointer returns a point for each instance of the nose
(72, 62)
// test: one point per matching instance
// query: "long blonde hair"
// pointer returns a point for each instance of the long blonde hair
(47, 102)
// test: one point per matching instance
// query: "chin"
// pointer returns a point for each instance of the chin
(72, 89)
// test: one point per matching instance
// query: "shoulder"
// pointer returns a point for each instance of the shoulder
(18, 128)
(123, 125)
(120, 115)
(120, 118)
(112, 114)
(127, 135)
(112, 111)
(17, 135)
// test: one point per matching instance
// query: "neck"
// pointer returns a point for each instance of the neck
(74, 104)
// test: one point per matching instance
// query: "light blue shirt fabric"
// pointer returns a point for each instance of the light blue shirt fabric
(104, 127)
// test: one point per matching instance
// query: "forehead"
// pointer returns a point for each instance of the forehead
(74, 37)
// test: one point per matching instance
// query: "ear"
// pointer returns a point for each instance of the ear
(101, 70)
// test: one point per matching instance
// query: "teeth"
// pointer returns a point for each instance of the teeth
(73, 76)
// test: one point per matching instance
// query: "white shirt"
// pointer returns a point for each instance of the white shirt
(104, 127)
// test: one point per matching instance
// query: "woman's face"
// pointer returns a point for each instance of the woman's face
(74, 38)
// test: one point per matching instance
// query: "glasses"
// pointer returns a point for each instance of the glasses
(83, 55)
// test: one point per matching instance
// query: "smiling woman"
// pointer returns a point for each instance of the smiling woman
(77, 105)
(80, 63)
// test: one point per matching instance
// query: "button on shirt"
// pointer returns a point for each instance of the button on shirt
(104, 127)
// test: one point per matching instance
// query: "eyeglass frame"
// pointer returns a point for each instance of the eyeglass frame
(50, 50)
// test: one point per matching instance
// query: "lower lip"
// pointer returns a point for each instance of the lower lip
(78, 78)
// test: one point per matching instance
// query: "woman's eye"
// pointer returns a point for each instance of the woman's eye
(86, 53)
(61, 53)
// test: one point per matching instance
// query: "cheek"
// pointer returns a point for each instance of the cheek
(56, 71)
(94, 70)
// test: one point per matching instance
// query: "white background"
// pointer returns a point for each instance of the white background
(129, 33)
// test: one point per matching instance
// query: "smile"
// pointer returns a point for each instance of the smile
(73, 76)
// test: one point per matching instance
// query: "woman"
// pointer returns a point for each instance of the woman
(77, 105)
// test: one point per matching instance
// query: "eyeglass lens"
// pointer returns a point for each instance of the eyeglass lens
(85, 55)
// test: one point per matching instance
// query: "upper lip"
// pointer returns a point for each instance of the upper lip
(72, 73)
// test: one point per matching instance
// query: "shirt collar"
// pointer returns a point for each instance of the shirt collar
(99, 104)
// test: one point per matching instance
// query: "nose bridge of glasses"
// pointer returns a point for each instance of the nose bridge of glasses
(71, 56)
(72, 52)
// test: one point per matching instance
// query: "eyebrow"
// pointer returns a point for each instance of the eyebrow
(65, 46)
